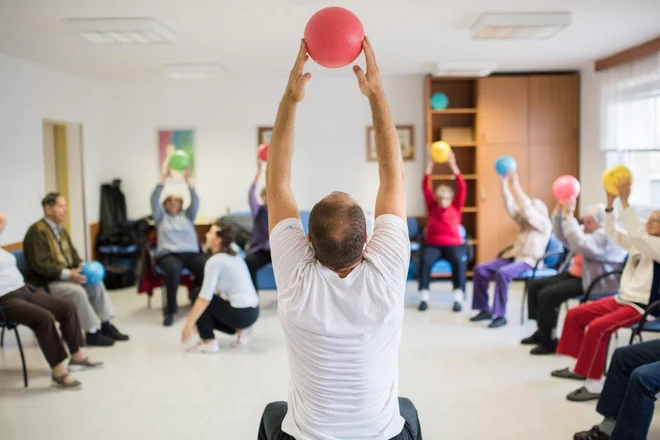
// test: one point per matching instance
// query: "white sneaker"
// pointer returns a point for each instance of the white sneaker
(244, 337)
(209, 348)
(458, 295)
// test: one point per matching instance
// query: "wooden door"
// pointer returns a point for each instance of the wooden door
(495, 230)
(547, 162)
(554, 109)
(503, 110)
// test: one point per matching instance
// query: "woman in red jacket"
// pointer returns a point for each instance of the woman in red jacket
(443, 237)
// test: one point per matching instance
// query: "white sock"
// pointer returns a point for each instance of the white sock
(458, 296)
(595, 386)
(424, 295)
(92, 330)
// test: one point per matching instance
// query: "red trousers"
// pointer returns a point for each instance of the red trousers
(587, 331)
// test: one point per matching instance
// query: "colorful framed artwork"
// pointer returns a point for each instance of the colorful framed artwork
(170, 141)
(406, 138)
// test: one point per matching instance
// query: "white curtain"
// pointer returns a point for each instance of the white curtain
(630, 106)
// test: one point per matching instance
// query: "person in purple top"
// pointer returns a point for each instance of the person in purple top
(258, 254)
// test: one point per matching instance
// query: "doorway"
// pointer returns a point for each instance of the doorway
(63, 172)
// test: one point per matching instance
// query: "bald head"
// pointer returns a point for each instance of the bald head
(3, 221)
(338, 231)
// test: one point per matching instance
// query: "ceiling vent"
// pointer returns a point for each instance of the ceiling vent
(538, 26)
(124, 31)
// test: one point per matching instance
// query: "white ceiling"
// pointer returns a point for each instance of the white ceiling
(260, 37)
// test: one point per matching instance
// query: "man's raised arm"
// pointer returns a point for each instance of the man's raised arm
(390, 198)
(281, 202)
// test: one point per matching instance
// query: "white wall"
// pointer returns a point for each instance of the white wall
(330, 137)
(30, 93)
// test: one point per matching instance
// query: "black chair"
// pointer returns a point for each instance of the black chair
(6, 324)
(589, 296)
(551, 261)
(645, 325)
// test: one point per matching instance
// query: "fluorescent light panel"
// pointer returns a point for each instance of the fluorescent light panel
(463, 69)
(539, 26)
(193, 71)
(124, 31)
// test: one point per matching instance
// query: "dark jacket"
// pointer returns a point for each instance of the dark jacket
(44, 254)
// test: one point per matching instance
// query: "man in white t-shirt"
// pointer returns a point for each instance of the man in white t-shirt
(341, 303)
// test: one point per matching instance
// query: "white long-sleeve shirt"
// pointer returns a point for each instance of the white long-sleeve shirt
(643, 250)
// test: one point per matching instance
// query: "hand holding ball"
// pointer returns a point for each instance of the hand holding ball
(94, 272)
(334, 37)
(505, 165)
(566, 188)
(262, 152)
(612, 176)
(179, 160)
(440, 151)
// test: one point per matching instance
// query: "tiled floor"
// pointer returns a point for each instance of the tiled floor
(467, 381)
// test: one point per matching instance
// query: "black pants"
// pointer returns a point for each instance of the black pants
(255, 262)
(456, 257)
(273, 416)
(546, 296)
(173, 264)
(633, 380)
(41, 312)
(220, 315)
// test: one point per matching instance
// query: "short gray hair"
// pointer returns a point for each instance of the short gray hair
(597, 211)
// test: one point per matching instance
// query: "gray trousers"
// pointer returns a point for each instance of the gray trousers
(92, 302)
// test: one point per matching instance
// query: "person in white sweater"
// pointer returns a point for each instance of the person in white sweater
(531, 216)
(587, 328)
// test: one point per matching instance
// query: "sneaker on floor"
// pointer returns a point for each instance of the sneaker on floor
(422, 306)
(209, 348)
(566, 373)
(542, 349)
(593, 434)
(481, 316)
(243, 338)
(98, 339)
(582, 394)
(457, 307)
(532, 340)
(168, 320)
(498, 322)
(111, 331)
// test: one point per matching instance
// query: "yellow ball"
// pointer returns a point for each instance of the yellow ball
(440, 151)
(612, 175)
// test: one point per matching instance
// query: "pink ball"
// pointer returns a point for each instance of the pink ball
(566, 188)
(334, 37)
(262, 152)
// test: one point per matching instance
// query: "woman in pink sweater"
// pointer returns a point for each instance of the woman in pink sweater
(442, 238)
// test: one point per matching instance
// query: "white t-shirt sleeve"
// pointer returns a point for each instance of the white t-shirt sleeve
(389, 248)
(212, 272)
(289, 249)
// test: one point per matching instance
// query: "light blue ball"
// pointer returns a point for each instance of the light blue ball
(505, 164)
(439, 101)
(94, 271)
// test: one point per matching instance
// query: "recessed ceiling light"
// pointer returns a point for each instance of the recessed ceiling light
(537, 26)
(125, 31)
(469, 69)
(193, 71)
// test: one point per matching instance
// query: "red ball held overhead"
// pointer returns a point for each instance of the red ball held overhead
(334, 37)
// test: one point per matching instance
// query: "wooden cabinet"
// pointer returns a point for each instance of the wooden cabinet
(495, 229)
(553, 109)
(503, 110)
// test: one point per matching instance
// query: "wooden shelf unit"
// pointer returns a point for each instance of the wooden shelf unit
(455, 111)
(451, 177)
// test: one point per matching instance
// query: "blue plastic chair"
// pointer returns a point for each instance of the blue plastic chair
(546, 266)
(6, 324)
(442, 269)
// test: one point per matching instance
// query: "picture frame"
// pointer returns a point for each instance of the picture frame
(171, 140)
(406, 138)
(263, 135)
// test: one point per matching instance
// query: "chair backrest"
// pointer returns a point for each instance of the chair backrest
(304, 218)
(553, 245)
(463, 232)
(413, 227)
(21, 262)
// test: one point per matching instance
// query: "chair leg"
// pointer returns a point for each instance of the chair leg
(2, 337)
(522, 305)
(20, 350)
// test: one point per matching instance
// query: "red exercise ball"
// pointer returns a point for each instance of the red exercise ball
(334, 37)
(566, 188)
(262, 152)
